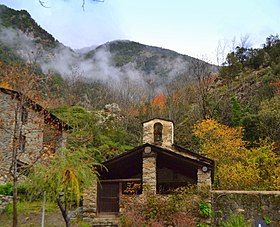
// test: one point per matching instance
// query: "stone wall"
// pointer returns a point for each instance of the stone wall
(167, 132)
(149, 172)
(254, 205)
(90, 202)
(6, 127)
(204, 178)
(128, 201)
(32, 129)
(4, 201)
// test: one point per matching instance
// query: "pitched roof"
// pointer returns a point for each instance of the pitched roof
(130, 163)
(48, 116)
(198, 159)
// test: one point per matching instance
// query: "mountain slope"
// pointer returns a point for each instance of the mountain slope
(21, 20)
(146, 58)
(21, 38)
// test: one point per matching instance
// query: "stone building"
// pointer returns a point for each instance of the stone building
(158, 166)
(27, 130)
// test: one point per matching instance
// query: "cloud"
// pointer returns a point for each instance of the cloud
(100, 66)
(67, 62)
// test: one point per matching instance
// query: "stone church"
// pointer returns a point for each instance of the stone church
(158, 166)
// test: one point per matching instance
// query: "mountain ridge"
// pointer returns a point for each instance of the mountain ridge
(123, 58)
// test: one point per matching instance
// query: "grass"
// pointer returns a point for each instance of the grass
(237, 220)
(30, 214)
(26, 207)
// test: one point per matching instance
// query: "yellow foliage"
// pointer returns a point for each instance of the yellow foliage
(237, 176)
(237, 167)
(5, 84)
(276, 177)
(71, 182)
(220, 141)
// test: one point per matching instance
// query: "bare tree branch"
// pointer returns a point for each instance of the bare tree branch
(43, 4)
(83, 3)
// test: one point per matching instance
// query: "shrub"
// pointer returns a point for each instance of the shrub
(23, 191)
(6, 189)
(267, 220)
(235, 221)
(178, 209)
(205, 209)
(182, 219)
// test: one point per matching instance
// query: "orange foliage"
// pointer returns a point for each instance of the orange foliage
(159, 102)
(137, 109)
(23, 79)
(276, 85)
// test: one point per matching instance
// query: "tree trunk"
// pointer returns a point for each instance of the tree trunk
(15, 216)
(13, 169)
(64, 212)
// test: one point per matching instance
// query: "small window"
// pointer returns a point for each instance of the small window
(158, 133)
(22, 168)
(22, 141)
(24, 115)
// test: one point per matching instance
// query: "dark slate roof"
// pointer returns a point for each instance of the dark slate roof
(130, 162)
(194, 154)
(48, 116)
(198, 159)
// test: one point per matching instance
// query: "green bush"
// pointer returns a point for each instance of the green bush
(6, 189)
(205, 209)
(236, 221)
(23, 191)
(267, 220)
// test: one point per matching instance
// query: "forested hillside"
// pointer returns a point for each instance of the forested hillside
(106, 93)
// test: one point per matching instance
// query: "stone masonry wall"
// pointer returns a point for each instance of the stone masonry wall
(32, 129)
(254, 205)
(167, 132)
(149, 171)
(4, 201)
(6, 127)
(204, 178)
(90, 202)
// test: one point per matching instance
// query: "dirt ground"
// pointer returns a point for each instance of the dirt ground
(34, 219)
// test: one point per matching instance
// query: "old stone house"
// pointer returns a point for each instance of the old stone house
(31, 129)
(158, 166)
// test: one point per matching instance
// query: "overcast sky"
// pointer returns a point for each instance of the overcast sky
(192, 27)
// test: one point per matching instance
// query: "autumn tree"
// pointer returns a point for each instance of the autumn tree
(237, 167)
(64, 179)
(21, 121)
(201, 71)
(269, 119)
